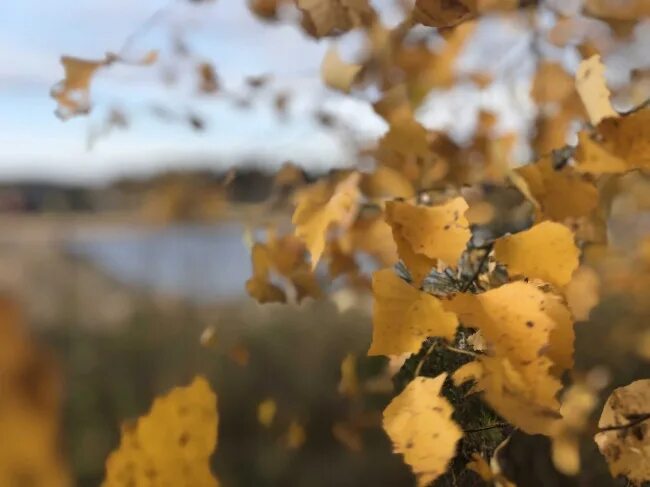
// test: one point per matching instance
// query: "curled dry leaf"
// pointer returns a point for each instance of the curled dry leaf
(546, 251)
(403, 316)
(626, 441)
(172, 443)
(591, 86)
(336, 73)
(419, 424)
(319, 207)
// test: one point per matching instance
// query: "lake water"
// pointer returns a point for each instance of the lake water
(196, 261)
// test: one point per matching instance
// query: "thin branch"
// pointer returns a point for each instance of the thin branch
(460, 350)
(486, 428)
(638, 418)
(477, 272)
(424, 357)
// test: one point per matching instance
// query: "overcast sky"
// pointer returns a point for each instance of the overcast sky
(36, 144)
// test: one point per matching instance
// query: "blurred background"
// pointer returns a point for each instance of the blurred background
(125, 234)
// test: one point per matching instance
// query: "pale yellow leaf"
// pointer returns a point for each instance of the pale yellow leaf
(546, 251)
(419, 424)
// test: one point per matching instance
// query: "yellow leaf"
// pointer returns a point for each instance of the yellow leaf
(72, 93)
(386, 182)
(171, 444)
(266, 412)
(592, 158)
(512, 319)
(419, 424)
(336, 73)
(627, 450)
(30, 407)
(349, 383)
(591, 86)
(581, 292)
(550, 187)
(319, 209)
(578, 402)
(523, 394)
(295, 436)
(546, 251)
(435, 232)
(259, 286)
(403, 316)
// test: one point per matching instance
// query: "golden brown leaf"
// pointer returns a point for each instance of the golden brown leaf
(336, 73)
(550, 187)
(419, 424)
(319, 208)
(403, 316)
(438, 13)
(171, 444)
(546, 251)
(330, 17)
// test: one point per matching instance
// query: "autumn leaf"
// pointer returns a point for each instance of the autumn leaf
(331, 17)
(591, 86)
(435, 232)
(349, 383)
(403, 316)
(437, 13)
(618, 9)
(617, 145)
(320, 208)
(513, 319)
(550, 187)
(266, 412)
(259, 286)
(419, 424)
(336, 73)
(523, 394)
(171, 444)
(624, 439)
(30, 406)
(546, 251)
(582, 292)
(72, 93)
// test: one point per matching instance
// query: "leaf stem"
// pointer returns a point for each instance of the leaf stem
(638, 418)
